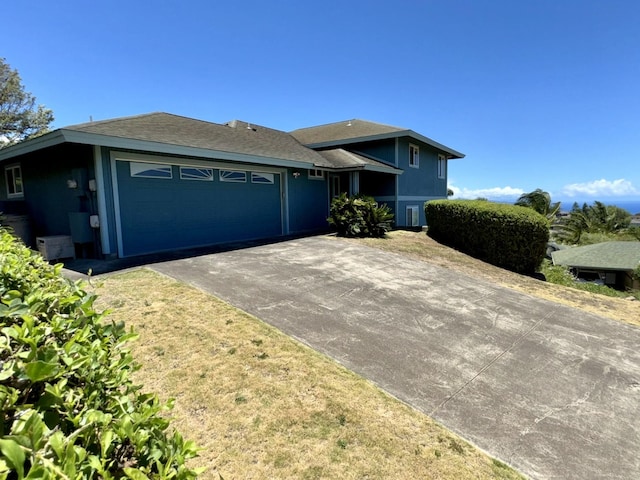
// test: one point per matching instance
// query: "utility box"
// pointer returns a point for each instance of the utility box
(56, 247)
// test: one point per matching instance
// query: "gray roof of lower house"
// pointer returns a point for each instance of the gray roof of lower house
(354, 131)
(600, 256)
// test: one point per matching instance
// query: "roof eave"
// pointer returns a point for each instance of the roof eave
(386, 136)
(73, 136)
(368, 168)
(27, 146)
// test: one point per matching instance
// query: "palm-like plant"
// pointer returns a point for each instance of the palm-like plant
(540, 201)
(596, 218)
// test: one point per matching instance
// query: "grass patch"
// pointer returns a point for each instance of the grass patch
(264, 406)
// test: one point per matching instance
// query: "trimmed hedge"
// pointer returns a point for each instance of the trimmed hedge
(69, 408)
(507, 236)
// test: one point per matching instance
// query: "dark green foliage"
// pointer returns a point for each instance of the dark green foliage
(359, 216)
(20, 118)
(596, 218)
(68, 406)
(540, 201)
(508, 236)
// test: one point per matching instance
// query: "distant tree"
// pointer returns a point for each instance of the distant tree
(450, 192)
(20, 118)
(540, 201)
(596, 218)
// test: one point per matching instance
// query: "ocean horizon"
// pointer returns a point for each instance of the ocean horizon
(631, 206)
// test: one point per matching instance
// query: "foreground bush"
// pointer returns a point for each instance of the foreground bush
(359, 216)
(69, 409)
(508, 236)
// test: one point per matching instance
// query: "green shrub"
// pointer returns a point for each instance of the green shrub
(69, 408)
(509, 236)
(359, 216)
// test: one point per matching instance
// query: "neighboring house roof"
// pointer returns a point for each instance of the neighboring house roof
(339, 158)
(354, 131)
(600, 256)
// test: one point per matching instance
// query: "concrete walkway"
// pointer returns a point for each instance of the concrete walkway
(551, 390)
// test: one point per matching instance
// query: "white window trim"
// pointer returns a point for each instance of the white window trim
(268, 176)
(231, 179)
(415, 216)
(16, 194)
(442, 166)
(135, 166)
(414, 156)
(316, 174)
(197, 179)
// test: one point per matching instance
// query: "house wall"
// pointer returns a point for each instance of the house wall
(308, 202)
(418, 185)
(383, 150)
(413, 188)
(47, 198)
(424, 179)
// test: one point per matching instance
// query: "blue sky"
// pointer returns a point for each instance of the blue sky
(539, 94)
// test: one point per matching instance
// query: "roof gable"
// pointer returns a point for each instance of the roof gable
(354, 131)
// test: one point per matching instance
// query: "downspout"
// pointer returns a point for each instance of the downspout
(102, 202)
(397, 182)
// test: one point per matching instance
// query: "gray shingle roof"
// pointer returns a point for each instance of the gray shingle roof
(235, 136)
(601, 256)
(348, 129)
(351, 131)
(339, 158)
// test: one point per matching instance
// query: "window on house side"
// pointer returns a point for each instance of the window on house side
(413, 216)
(316, 174)
(414, 156)
(13, 175)
(442, 166)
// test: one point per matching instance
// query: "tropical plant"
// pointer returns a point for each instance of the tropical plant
(359, 216)
(540, 201)
(596, 218)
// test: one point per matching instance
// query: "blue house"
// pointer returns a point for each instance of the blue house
(160, 182)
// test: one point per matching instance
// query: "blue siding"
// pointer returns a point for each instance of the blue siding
(423, 180)
(162, 214)
(47, 199)
(308, 203)
(384, 150)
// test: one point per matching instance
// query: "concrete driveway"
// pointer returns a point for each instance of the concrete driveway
(551, 390)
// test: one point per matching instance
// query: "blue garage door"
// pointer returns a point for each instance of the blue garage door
(168, 207)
